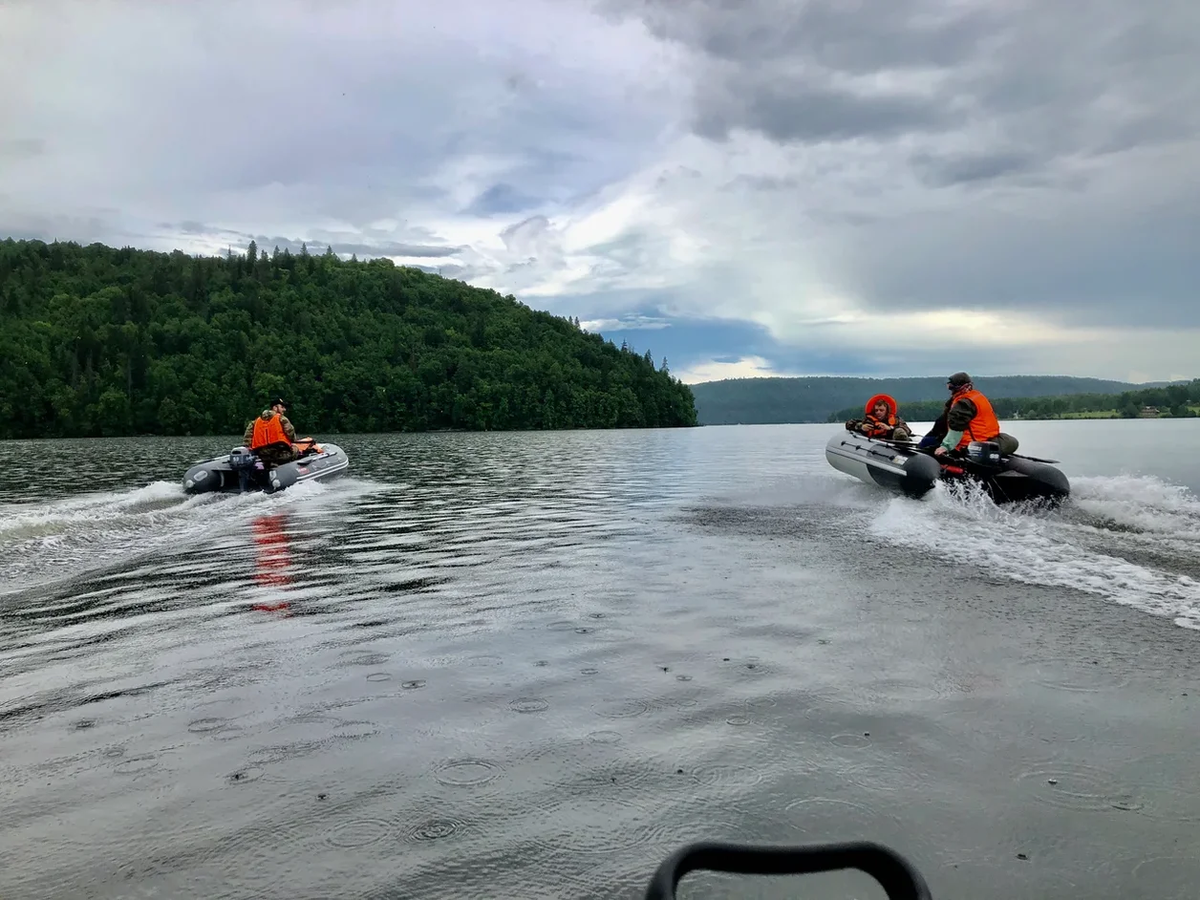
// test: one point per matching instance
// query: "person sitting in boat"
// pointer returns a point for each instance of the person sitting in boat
(881, 420)
(968, 416)
(272, 438)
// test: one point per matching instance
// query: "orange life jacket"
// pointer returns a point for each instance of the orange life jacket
(268, 432)
(985, 426)
(876, 427)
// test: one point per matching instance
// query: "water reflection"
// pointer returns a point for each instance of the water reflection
(272, 562)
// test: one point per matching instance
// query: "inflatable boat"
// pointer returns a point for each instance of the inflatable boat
(903, 467)
(240, 470)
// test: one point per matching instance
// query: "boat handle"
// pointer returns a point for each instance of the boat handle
(899, 879)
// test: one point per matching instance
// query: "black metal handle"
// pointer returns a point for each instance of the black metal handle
(899, 879)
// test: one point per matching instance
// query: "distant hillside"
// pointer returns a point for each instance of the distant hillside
(1178, 400)
(100, 341)
(779, 400)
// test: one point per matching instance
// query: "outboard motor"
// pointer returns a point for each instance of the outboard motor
(243, 461)
(984, 453)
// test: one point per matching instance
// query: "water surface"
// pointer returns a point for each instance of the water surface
(530, 665)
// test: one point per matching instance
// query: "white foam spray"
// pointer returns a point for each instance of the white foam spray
(1128, 539)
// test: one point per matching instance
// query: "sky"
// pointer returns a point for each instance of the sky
(745, 187)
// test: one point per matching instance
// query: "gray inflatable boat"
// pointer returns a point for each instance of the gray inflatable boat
(240, 470)
(910, 470)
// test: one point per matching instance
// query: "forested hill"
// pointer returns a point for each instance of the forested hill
(776, 400)
(100, 341)
(1177, 400)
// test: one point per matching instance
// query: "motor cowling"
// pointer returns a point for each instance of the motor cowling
(242, 458)
(984, 453)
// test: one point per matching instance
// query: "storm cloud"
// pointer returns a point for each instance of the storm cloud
(1012, 185)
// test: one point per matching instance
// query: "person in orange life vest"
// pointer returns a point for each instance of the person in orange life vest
(881, 420)
(968, 416)
(272, 438)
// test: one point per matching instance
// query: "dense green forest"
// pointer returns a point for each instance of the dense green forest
(778, 400)
(1174, 400)
(100, 341)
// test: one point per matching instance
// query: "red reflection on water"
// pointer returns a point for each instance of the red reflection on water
(273, 559)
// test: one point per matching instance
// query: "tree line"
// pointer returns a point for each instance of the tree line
(825, 398)
(99, 341)
(1173, 400)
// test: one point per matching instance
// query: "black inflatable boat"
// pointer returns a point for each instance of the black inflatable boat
(904, 468)
(240, 470)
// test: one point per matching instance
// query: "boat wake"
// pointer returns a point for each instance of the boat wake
(1134, 540)
(47, 542)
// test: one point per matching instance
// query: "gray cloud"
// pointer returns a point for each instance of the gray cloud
(21, 148)
(1057, 79)
(101, 226)
(523, 238)
(1022, 155)
(502, 198)
(790, 111)
(1087, 269)
(846, 36)
(780, 160)
(343, 112)
(967, 168)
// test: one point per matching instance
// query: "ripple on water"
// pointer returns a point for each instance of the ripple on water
(728, 776)
(355, 730)
(359, 658)
(883, 776)
(621, 709)
(832, 818)
(137, 765)
(1168, 804)
(529, 705)
(1079, 787)
(890, 690)
(851, 740)
(433, 830)
(484, 661)
(359, 833)
(246, 775)
(750, 665)
(603, 825)
(1077, 675)
(623, 772)
(467, 772)
(598, 766)
(266, 756)
(1173, 877)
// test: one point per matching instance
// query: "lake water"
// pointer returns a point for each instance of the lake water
(531, 665)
